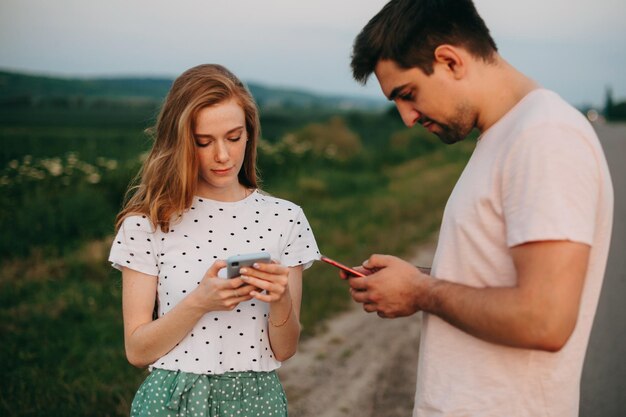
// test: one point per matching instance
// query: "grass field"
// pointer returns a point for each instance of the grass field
(60, 314)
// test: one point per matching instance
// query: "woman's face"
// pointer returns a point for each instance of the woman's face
(220, 136)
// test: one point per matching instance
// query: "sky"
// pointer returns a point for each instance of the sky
(575, 47)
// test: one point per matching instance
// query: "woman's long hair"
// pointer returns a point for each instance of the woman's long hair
(168, 179)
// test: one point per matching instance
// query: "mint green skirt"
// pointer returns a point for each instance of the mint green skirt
(234, 394)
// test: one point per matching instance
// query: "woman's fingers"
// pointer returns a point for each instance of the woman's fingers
(236, 292)
(214, 269)
(261, 284)
(268, 298)
(271, 269)
(269, 281)
(274, 274)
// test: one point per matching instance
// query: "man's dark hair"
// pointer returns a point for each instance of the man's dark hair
(409, 31)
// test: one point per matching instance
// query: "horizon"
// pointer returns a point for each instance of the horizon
(306, 47)
(69, 77)
(263, 84)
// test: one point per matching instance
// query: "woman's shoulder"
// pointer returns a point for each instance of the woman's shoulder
(139, 222)
(266, 199)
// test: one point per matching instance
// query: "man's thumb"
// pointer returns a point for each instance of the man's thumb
(376, 261)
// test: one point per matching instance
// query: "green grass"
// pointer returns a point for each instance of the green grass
(60, 316)
(353, 216)
(61, 319)
(62, 339)
(90, 142)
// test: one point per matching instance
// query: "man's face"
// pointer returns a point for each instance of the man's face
(435, 101)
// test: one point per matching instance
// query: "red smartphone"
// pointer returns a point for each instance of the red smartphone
(341, 266)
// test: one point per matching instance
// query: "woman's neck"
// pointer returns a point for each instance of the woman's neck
(233, 194)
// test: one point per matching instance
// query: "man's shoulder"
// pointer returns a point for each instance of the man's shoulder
(543, 107)
(540, 114)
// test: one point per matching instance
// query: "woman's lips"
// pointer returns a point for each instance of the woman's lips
(221, 171)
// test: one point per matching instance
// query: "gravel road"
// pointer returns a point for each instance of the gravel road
(365, 366)
(360, 366)
(604, 374)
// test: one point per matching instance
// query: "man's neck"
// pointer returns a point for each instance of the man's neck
(501, 88)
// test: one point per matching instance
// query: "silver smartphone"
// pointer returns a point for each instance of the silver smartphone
(240, 261)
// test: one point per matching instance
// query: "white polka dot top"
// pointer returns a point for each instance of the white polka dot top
(223, 341)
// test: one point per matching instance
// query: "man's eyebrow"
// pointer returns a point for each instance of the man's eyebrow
(396, 91)
(203, 135)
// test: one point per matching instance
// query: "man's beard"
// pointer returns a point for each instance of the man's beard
(452, 133)
(457, 129)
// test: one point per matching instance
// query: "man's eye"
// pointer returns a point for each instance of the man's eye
(406, 96)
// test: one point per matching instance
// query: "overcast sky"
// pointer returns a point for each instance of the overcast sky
(574, 47)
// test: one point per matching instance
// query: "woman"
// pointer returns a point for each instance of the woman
(215, 343)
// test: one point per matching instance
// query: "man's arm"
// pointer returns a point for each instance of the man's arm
(540, 312)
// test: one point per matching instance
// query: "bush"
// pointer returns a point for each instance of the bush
(56, 204)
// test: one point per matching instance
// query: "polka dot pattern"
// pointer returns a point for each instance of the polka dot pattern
(220, 342)
(181, 394)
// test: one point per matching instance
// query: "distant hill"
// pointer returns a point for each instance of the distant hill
(26, 88)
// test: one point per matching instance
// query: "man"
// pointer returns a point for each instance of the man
(510, 300)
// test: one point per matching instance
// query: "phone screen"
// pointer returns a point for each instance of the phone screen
(343, 267)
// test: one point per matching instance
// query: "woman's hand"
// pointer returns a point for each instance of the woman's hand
(216, 294)
(271, 277)
(272, 282)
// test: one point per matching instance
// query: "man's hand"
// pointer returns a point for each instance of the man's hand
(393, 290)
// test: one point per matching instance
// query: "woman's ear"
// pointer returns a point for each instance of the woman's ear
(453, 59)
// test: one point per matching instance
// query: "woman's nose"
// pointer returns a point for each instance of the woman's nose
(221, 151)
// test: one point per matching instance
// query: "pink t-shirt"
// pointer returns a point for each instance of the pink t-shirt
(539, 173)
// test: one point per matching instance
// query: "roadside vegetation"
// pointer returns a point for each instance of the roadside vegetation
(366, 183)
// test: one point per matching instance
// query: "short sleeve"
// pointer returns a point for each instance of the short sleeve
(551, 187)
(300, 247)
(134, 246)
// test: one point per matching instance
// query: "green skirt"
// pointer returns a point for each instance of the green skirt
(237, 394)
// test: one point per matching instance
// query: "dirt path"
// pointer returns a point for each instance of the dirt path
(360, 366)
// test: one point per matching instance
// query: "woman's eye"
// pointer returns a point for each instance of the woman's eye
(203, 144)
(234, 139)
(406, 96)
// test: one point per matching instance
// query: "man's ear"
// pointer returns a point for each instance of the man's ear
(452, 59)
